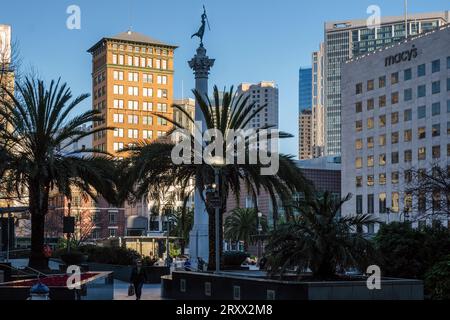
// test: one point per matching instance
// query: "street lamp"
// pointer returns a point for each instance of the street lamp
(260, 229)
(217, 164)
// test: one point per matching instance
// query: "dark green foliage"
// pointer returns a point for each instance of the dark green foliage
(437, 280)
(234, 258)
(408, 252)
(110, 255)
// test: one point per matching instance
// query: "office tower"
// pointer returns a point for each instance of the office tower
(188, 106)
(305, 89)
(318, 114)
(264, 93)
(347, 39)
(396, 120)
(132, 81)
(305, 131)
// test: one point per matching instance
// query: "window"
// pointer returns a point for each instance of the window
(133, 91)
(359, 204)
(436, 66)
(149, 63)
(162, 107)
(421, 132)
(118, 75)
(118, 104)
(448, 106)
(162, 80)
(158, 64)
(160, 134)
(359, 181)
(448, 151)
(164, 64)
(382, 140)
(133, 105)
(118, 133)
(370, 104)
(143, 62)
(436, 152)
(408, 156)
(112, 233)
(421, 112)
(382, 178)
(382, 203)
(382, 159)
(395, 203)
(358, 163)
(370, 142)
(394, 157)
(422, 153)
(118, 146)
(136, 61)
(359, 88)
(370, 123)
(370, 85)
(133, 134)
(421, 202)
(382, 121)
(147, 92)
(114, 58)
(408, 94)
(408, 176)
(394, 118)
(448, 84)
(162, 93)
(118, 90)
(133, 76)
(395, 177)
(421, 70)
(394, 98)
(394, 78)
(436, 109)
(130, 60)
(358, 107)
(147, 78)
(382, 81)
(370, 181)
(394, 138)
(121, 59)
(147, 134)
(147, 120)
(162, 122)
(407, 74)
(448, 128)
(382, 101)
(118, 118)
(358, 144)
(133, 119)
(147, 106)
(448, 62)
(435, 87)
(436, 130)
(407, 115)
(421, 91)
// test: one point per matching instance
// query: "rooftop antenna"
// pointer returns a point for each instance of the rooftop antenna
(406, 19)
(130, 17)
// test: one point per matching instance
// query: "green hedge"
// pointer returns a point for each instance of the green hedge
(234, 258)
(106, 255)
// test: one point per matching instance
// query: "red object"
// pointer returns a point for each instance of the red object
(54, 281)
(47, 251)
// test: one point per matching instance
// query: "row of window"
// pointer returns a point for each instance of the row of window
(407, 75)
(119, 146)
(395, 116)
(134, 77)
(136, 49)
(133, 133)
(134, 105)
(134, 91)
(134, 119)
(135, 61)
(407, 157)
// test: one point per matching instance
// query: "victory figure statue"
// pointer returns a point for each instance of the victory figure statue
(201, 32)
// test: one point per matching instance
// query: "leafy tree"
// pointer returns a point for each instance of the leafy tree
(34, 152)
(437, 280)
(243, 224)
(319, 239)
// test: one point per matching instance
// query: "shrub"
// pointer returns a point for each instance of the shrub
(234, 258)
(110, 255)
(437, 280)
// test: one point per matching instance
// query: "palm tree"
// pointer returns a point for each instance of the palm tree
(37, 160)
(151, 164)
(319, 239)
(243, 225)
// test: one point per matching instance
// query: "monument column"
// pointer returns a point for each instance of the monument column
(199, 242)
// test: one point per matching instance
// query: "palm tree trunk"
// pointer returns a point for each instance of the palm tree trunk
(38, 210)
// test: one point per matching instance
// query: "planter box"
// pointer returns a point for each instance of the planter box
(207, 286)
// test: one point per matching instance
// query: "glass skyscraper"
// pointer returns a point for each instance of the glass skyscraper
(305, 89)
(347, 39)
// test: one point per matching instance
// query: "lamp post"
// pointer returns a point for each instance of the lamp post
(259, 236)
(217, 164)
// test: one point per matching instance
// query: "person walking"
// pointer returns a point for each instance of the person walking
(138, 278)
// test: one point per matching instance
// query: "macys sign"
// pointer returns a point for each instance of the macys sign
(401, 57)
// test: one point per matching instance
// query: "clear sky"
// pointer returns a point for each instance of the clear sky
(251, 40)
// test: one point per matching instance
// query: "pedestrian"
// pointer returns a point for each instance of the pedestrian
(138, 278)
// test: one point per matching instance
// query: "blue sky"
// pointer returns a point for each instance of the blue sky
(251, 40)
